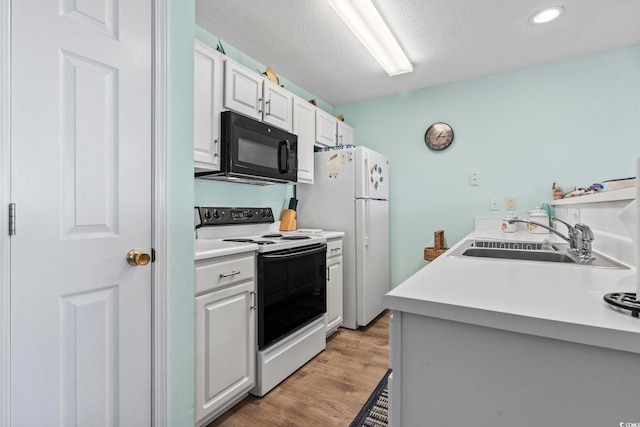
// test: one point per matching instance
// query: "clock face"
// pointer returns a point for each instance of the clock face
(439, 136)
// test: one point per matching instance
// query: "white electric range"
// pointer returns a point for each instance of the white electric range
(290, 287)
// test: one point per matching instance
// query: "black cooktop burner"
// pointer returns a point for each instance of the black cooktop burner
(295, 237)
(258, 242)
(272, 236)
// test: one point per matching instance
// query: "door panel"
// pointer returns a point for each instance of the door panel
(372, 258)
(372, 174)
(278, 106)
(81, 181)
(242, 90)
(207, 107)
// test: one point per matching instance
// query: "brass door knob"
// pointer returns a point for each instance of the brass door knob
(137, 257)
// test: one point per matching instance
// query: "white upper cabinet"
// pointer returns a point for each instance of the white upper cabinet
(345, 134)
(208, 86)
(325, 128)
(242, 90)
(304, 125)
(221, 84)
(249, 93)
(278, 106)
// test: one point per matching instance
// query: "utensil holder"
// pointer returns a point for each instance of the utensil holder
(288, 220)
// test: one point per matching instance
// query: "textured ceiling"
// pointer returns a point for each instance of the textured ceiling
(446, 40)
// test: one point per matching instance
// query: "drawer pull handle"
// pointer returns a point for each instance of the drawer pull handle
(335, 249)
(233, 273)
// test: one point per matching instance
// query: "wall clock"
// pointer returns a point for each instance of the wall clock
(438, 136)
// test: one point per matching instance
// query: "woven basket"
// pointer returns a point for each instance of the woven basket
(433, 252)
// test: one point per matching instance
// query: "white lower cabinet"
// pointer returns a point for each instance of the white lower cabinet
(225, 334)
(333, 318)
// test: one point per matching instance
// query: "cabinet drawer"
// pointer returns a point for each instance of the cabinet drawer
(334, 248)
(219, 272)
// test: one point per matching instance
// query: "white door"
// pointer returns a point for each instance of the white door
(372, 258)
(81, 181)
(278, 106)
(326, 127)
(372, 174)
(242, 90)
(333, 317)
(225, 347)
(207, 106)
(304, 125)
(345, 134)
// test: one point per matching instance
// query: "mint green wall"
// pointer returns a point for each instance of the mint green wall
(180, 291)
(574, 122)
(228, 194)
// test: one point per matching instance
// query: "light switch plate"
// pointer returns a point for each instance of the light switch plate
(510, 203)
(494, 204)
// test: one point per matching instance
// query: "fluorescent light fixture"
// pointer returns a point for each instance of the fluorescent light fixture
(365, 22)
(546, 15)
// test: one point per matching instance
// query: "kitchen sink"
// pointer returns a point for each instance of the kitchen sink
(529, 251)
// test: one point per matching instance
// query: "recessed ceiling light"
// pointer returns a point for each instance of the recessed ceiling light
(546, 15)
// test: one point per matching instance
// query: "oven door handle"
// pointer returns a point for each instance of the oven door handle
(296, 254)
(283, 161)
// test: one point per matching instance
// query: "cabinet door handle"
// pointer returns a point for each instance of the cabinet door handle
(268, 112)
(328, 274)
(233, 273)
(215, 145)
(260, 105)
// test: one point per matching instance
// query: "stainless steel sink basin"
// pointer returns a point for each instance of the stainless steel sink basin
(528, 251)
(526, 255)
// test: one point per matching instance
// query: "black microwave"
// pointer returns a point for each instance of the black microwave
(254, 152)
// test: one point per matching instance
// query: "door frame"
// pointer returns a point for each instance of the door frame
(160, 208)
(159, 212)
(5, 199)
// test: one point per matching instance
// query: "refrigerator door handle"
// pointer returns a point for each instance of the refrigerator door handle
(366, 178)
(367, 216)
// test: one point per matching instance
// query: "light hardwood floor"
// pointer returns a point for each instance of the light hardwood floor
(327, 391)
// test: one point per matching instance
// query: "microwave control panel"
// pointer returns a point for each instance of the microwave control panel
(228, 216)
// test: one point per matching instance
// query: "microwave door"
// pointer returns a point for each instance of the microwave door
(258, 154)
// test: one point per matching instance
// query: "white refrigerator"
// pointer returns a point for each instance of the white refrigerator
(350, 193)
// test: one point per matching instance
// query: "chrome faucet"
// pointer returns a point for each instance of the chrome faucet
(579, 236)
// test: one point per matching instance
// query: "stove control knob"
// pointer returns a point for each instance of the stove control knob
(207, 215)
(263, 213)
(216, 215)
(269, 214)
(249, 214)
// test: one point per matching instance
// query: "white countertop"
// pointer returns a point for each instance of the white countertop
(324, 233)
(212, 248)
(560, 301)
(206, 248)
